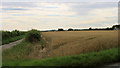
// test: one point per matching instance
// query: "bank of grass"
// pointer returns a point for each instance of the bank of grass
(12, 39)
(91, 59)
(21, 51)
(17, 52)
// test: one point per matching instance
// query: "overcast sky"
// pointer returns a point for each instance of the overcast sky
(53, 15)
(59, 0)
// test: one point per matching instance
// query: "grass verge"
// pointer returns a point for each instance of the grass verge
(91, 59)
(17, 52)
(21, 51)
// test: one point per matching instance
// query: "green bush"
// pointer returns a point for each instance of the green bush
(33, 36)
(12, 39)
(11, 36)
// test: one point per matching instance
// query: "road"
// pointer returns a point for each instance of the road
(114, 65)
(5, 46)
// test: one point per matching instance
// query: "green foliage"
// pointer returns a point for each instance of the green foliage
(14, 35)
(0, 37)
(33, 36)
(6, 41)
(92, 59)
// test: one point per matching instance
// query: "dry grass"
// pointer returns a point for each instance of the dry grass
(76, 42)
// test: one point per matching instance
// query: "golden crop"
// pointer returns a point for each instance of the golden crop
(76, 42)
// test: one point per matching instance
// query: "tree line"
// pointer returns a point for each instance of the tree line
(9, 34)
(114, 27)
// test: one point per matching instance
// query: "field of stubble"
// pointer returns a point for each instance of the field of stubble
(76, 42)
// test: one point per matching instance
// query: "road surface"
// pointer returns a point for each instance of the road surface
(5, 46)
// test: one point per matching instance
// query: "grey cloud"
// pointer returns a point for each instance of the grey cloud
(85, 7)
(13, 9)
(18, 4)
(95, 5)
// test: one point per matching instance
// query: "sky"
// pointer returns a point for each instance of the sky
(59, 0)
(27, 15)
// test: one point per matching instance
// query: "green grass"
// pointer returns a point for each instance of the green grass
(17, 52)
(12, 39)
(20, 51)
(83, 60)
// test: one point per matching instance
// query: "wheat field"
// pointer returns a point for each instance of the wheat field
(77, 42)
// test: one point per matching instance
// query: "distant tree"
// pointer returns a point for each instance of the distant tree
(107, 28)
(116, 27)
(90, 28)
(53, 30)
(70, 29)
(60, 29)
(76, 29)
(15, 32)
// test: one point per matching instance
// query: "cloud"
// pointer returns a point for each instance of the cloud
(60, 0)
(18, 4)
(54, 15)
(13, 9)
(86, 7)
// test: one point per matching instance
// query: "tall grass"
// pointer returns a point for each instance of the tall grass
(19, 51)
(24, 50)
(92, 59)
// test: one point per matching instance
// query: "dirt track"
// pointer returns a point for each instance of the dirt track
(115, 65)
(5, 46)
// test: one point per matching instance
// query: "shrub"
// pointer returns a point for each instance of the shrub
(70, 29)
(33, 36)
